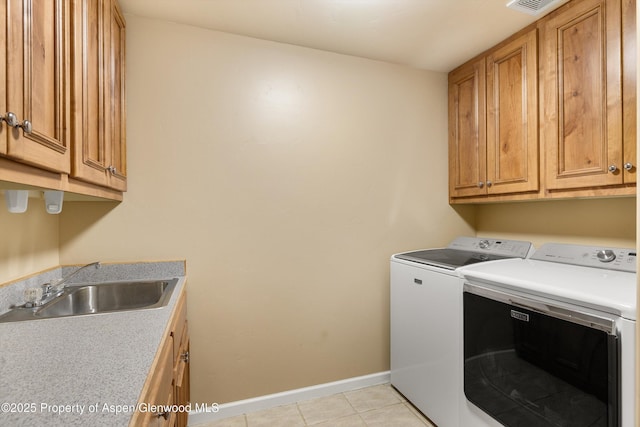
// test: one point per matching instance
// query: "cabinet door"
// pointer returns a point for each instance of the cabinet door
(629, 106)
(4, 129)
(89, 142)
(467, 132)
(37, 81)
(582, 102)
(98, 93)
(182, 379)
(116, 100)
(512, 117)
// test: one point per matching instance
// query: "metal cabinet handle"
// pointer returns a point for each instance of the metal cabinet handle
(112, 169)
(26, 126)
(628, 166)
(164, 415)
(12, 120)
(185, 357)
(613, 168)
(489, 183)
(480, 184)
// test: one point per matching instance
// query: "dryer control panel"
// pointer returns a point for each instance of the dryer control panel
(619, 259)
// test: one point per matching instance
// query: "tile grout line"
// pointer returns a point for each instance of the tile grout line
(354, 409)
(380, 406)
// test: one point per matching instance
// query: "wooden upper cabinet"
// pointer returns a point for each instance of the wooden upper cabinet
(3, 75)
(99, 154)
(629, 104)
(512, 116)
(467, 131)
(581, 108)
(35, 73)
(493, 121)
(116, 89)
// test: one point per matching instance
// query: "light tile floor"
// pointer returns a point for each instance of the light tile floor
(377, 406)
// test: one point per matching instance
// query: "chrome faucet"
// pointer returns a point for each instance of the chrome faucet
(56, 286)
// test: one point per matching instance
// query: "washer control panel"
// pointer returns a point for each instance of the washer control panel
(619, 259)
(510, 248)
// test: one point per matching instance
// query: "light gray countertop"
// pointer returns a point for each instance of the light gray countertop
(82, 370)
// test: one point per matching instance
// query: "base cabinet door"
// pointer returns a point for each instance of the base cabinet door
(182, 376)
(160, 395)
(167, 386)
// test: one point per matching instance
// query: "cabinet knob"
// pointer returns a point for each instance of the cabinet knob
(164, 415)
(480, 184)
(185, 357)
(12, 120)
(26, 126)
(112, 169)
(613, 168)
(628, 166)
(489, 183)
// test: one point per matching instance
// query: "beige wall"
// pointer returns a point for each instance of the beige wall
(286, 177)
(610, 222)
(29, 241)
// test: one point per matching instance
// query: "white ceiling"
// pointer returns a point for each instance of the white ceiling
(429, 34)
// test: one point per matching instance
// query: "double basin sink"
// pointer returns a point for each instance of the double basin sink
(95, 298)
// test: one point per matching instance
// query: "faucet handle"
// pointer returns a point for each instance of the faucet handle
(32, 295)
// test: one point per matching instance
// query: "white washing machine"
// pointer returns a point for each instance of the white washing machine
(550, 340)
(426, 321)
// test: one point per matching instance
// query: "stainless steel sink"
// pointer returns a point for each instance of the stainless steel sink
(94, 298)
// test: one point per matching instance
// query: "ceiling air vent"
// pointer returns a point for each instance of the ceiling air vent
(533, 7)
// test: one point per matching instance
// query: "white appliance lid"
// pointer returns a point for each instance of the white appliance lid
(605, 290)
(468, 250)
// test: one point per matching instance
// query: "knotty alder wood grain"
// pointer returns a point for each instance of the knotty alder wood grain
(563, 128)
(98, 122)
(467, 135)
(62, 63)
(493, 121)
(582, 103)
(37, 76)
(512, 116)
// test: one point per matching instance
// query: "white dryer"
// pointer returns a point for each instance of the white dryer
(550, 340)
(426, 321)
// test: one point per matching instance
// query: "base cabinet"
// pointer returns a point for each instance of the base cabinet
(168, 384)
(180, 340)
(182, 375)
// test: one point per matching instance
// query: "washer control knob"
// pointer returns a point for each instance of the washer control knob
(484, 244)
(606, 255)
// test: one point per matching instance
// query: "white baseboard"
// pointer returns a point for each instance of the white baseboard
(232, 409)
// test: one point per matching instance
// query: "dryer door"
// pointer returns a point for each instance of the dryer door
(529, 363)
